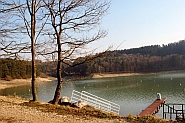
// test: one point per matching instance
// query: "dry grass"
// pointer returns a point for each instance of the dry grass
(88, 112)
(147, 119)
(8, 120)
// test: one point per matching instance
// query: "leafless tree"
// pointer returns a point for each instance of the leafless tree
(75, 24)
(8, 31)
(28, 18)
(6, 6)
(34, 24)
(32, 6)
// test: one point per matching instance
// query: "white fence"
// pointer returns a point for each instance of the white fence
(95, 101)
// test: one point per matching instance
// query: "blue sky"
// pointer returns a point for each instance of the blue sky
(136, 23)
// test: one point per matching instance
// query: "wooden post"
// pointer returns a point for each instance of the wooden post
(182, 111)
(163, 110)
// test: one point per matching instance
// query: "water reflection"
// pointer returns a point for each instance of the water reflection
(133, 94)
(23, 91)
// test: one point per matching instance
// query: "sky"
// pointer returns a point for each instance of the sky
(137, 23)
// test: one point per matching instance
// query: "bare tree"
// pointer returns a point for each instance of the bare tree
(32, 12)
(34, 27)
(7, 7)
(75, 24)
(28, 17)
(8, 31)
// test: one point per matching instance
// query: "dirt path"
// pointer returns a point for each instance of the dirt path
(11, 112)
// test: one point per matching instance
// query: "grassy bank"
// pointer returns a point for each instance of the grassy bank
(90, 112)
(15, 110)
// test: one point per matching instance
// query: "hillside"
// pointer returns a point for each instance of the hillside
(153, 58)
(137, 60)
(157, 50)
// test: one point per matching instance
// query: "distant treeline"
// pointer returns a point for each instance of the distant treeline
(12, 69)
(157, 50)
(21, 69)
(145, 59)
(153, 58)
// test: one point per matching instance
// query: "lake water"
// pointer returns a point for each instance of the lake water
(133, 93)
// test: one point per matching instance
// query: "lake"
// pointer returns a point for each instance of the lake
(132, 93)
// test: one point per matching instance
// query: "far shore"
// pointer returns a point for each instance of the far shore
(20, 82)
(106, 75)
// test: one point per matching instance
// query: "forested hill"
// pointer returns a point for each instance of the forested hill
(145, 59)
(157, 50)
(154, 58)
(14, 69)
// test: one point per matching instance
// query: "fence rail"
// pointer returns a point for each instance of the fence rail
(175, 111)
(95, 101)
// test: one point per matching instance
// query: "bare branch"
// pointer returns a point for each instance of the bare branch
(72, 21)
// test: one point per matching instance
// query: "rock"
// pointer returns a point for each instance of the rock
(80, 104)
(64, 101)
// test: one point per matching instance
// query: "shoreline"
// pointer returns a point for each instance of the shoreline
(12, 110)
(20, 82)
(108, 75)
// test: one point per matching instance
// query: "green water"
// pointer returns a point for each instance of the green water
(132, 93)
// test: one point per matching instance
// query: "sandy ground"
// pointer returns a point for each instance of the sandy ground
(115, 75)
(11, 112)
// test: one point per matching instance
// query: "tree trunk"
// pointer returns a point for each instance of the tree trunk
(33, 27)
(59, 73)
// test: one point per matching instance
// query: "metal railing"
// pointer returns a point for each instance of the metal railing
(174, 111)
(95, 101)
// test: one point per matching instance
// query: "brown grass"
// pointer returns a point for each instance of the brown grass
(88, 112)
(147, 119)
